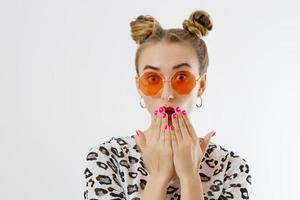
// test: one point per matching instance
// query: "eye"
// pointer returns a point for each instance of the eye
(153, 78)
(180, 77)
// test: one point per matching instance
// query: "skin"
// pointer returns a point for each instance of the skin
(165, 56)
(172, 152)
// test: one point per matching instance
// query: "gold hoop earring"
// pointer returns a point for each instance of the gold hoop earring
(199, 106)
(143, 106)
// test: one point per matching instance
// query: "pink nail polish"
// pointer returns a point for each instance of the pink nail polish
(183, 112)
(164, 115)
(172, 127)
(177, 109)
(137, 133)
(155, 113)
(141, 133)
(213, 134)
(174, 115)
(166, 126)
(161, 109)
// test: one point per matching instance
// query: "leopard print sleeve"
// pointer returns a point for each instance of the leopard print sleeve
(237, 179)
(101, 177)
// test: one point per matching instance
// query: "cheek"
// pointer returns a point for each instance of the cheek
(189, 102)
(151, 103)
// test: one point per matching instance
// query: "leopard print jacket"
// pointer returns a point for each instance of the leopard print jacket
(114, 170)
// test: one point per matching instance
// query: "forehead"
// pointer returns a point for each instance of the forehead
(167, 55)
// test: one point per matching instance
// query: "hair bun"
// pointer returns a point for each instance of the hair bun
(142, 27)
(199, 23)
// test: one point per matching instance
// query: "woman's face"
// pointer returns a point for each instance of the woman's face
(164, 56)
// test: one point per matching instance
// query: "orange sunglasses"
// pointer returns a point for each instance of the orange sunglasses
(151, 83)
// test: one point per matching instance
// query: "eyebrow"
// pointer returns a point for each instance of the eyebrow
(175, 67)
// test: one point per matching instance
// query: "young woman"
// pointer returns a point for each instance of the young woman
(168, 160)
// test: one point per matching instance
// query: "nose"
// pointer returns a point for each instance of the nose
(167, 91)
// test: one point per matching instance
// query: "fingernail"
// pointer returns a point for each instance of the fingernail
(140, 132)
(177, 109)
(183, 112)
(137, 133)
(174, 115)
(155, 112)
(161, 109)
(172, 127)
(166, 126)
(213, 133)
(164, 115)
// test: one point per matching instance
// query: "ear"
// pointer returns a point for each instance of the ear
(137, 85)
(202, 83)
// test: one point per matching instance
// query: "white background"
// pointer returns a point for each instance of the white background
(67, 84)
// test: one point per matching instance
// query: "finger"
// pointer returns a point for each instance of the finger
(189, 126)
(168, 136)
(174, 141)
(183, 128)
(140, 140)
(175, 124)
(164, 125)
(157, 126)
(204, 144)
(155, 116)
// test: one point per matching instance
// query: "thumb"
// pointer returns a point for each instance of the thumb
(140, 139)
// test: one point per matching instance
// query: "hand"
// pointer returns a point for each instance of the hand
(188, 150)
(157, 150)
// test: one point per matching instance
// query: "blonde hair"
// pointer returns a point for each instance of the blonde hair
(145, 30)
